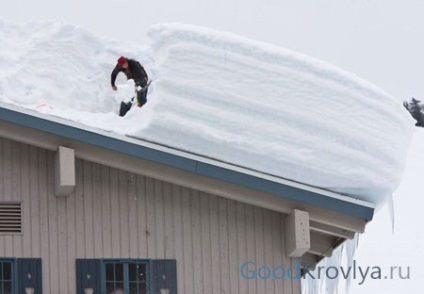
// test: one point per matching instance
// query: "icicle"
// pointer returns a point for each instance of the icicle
(351, 246)
(328, 280)
(391, 204)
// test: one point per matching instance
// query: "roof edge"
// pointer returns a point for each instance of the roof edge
(188, 161)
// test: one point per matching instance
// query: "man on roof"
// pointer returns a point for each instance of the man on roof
(133, 70)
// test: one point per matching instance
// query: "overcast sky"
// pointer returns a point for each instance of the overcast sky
(379, 40)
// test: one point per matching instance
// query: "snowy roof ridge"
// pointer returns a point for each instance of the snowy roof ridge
(167, 32)
(187, 161)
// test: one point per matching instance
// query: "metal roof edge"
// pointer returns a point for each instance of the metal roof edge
(187, 161)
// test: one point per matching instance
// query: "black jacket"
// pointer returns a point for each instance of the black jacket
(135, 71)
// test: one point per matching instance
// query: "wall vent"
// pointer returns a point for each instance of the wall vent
(10, 218)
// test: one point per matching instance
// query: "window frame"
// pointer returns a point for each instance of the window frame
(13, 273)
(126, 262)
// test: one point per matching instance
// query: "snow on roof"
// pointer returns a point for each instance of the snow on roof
(221, 96)
(182, 161)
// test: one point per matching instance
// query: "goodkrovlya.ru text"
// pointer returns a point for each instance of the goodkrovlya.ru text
(250, 270)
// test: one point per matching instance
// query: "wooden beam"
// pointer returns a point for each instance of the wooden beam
(322, 244)
(64, 171)
(331, 230)
(297, 233)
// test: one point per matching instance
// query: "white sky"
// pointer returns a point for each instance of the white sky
(379, 40)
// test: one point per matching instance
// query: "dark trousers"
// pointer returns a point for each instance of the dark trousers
(142, 96)
(140, 99)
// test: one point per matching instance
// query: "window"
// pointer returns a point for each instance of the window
(17, 274)
(126, 277)
(6, 277)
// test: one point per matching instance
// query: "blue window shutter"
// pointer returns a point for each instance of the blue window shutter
(163, 275)
(29, 274)
(88, 275)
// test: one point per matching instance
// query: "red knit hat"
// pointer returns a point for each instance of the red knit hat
(122, 60)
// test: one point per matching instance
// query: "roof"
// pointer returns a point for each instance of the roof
(188, 162)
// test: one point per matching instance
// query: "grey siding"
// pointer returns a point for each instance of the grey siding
(115, 214)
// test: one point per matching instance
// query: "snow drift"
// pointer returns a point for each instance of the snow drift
(221, 96)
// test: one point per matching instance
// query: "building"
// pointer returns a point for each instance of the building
(87, 211)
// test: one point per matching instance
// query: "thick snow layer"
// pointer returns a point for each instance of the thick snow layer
(218, 95)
